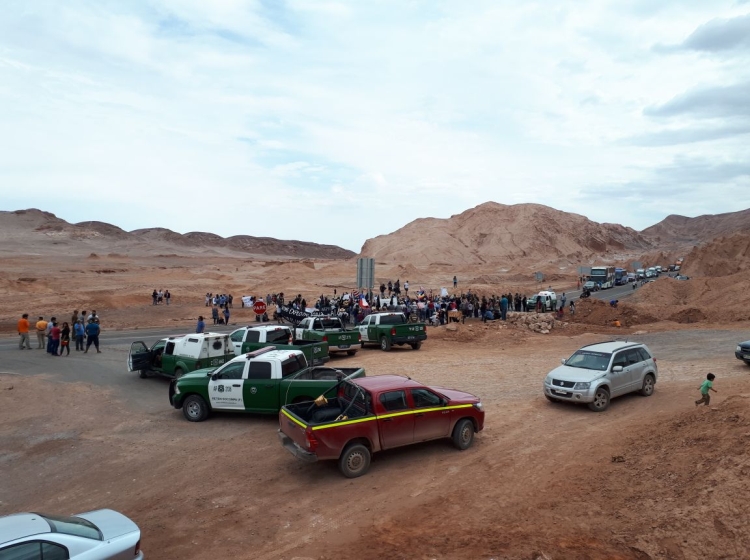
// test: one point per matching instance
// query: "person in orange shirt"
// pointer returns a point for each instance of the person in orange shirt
(41, 332)
(23, 332)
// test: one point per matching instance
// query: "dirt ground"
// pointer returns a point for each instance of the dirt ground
(650, 478)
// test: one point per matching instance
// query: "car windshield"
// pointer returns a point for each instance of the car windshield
(72, 526)
(585, 359)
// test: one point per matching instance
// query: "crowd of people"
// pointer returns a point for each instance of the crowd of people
(160, 296)
(56, 336)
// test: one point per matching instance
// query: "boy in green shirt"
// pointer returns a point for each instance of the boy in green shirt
(705, 387)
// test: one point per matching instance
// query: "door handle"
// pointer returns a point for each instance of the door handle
(236, 385)
(268, 386)
(387, 419)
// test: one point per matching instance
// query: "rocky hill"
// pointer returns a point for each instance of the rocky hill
(501, 234)
(677, 230)
(36, 232)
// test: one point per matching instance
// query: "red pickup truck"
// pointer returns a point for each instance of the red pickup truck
(375, 413)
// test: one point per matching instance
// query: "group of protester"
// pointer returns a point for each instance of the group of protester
(221, 300)
(160, 296)
(56, 337)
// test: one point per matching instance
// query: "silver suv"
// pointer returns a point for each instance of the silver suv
(599, 372)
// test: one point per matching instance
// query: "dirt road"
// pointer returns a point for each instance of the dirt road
(540, 481)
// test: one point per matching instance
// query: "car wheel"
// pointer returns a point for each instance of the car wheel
(143, 374)
(601, 400)
(648, 385)
(178, 372)
(354, 461)
(195, 408)
(416, 346)
(351, 352)
(463, 434)
(385, 344)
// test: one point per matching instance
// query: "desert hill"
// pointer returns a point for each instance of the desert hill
(502, 234)
(36, 232)
(677, 230)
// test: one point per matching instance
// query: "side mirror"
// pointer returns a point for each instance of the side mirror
(214, 376)
(443, 402)
(563, 361)
(616, 369)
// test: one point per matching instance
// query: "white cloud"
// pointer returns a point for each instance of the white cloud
(365, 116)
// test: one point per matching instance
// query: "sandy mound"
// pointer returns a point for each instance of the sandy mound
(596, 312)
(721, 257)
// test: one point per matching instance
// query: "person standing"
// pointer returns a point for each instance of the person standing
(201, 326)
(154, 295)
(50, 325)
(167, 296)
(92, 332)
(23, 332)
(215, 314)
(65, 339)
(455, 282)
(79, 332)
(706, 386)
(74, 317)
(504, 307)
(406, 288)
(226, 315)
(54, 334)
(41, 332)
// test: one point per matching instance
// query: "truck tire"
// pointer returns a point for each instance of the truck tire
(143, 374)
(463, 434)
(351, 352)
(354, 461)
(195, 408)
(178, 372)
(385, 344)
(416, 345)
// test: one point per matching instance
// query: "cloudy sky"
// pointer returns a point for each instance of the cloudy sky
(335, 122)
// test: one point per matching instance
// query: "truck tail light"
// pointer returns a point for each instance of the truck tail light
(393, 331)
(312, 443)
(359, 337)
(325, 338)
(137, 550)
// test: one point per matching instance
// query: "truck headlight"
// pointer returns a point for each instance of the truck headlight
(738, 349)
(548, 380)
(580, 386)
(478, 406)
(176, 389)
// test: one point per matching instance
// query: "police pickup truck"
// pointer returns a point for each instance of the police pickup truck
(177, 355)
(387, 329)
(259, 382)
(330, 330)
(250, 338)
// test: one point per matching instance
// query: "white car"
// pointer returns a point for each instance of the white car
(597, 373)
(103, 534)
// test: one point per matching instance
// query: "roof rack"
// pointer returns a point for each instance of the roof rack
(625, 340)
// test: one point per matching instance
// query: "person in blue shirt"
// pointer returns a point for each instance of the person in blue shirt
(79, 333)
(201, 325)
(92, 332)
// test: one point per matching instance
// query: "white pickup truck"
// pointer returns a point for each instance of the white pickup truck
(251, 338)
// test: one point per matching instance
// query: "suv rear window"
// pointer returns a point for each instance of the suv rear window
(586, 359)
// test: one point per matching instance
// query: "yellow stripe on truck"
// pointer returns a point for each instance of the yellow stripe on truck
(384, 416)
(293, 419)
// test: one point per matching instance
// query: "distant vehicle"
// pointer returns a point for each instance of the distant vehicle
(599, 372)
(742, 352)
(621, 277)
(103, 534)
(251, 338)
(591, 286)
(676, 268)
(387, 329)
(632, 277)
(681, 277)
(330, 330)
(658, 269)
(651, 272)
(603, 275)
(640, 273)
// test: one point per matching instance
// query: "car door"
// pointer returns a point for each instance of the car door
(396, 423)
(619, 380)
(363, 328)
(139, 357)
(225, 387)
(298, 330)
(431, 419)
(636, 366)
(236, 339)
(260, 391)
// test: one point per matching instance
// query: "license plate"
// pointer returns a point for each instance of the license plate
(561, 392)
(342, 346)
(409, 338)
(747, 356)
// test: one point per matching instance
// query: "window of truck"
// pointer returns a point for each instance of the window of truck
(393, 400)
(290, 366)
(330, 323)
(278, 335)
(259, 370)
(252, 336)
(423, 398)
(236, 336)
(169, 350)
(232, 371)
(391, 319)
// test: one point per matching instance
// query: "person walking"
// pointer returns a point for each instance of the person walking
(23, 332)
(572, 308)
(92, 334)
(79, 333)
(706, 386)
(201, 326)
(65, 339)
(226, 315)
(41, 332)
